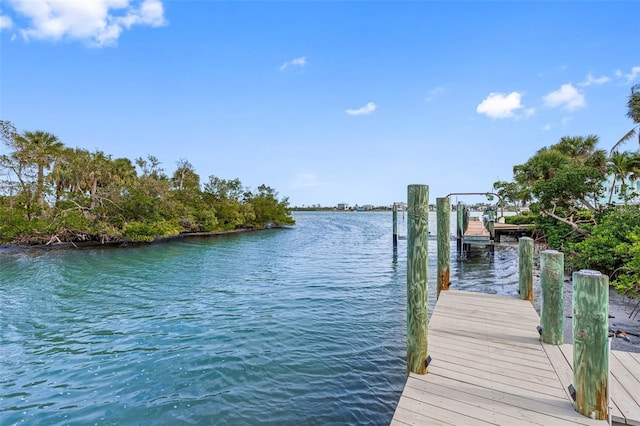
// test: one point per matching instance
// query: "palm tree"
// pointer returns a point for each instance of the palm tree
(633, 112)
(623, 165)
(39, 149)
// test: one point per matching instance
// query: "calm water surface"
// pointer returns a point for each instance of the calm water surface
(295, 326)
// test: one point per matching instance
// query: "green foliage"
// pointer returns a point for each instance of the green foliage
(49, 192)
(146, 232)
(608, 249)
(556, 234)
(268, 210)
(521, 219)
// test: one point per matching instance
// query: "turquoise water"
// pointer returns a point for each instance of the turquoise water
(292, 326)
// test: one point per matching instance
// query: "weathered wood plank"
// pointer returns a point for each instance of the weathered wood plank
(404, 416)
(478, 352)
(500, 366)
(627, 391)
(439, 412)
(531, 410)
(631, 361)
(483, 372)
(491, 348)
(483, 378)
(444, 397)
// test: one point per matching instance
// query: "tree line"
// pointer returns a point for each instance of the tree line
(51, 192)
(569, 188)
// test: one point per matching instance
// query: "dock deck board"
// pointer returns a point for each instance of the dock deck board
(489, 367)
(476, 234)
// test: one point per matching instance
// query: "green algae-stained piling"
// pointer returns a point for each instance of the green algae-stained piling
(591, 343)
(459, 228)
(525, 268)
(552, 281)
(443, 215)
(395, 226)
(417, 277)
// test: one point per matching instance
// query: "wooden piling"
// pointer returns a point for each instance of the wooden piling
(525, 268)
(590, 343)
(395, 226)
(417, 277)
(443, 208)
(552, 282)
(459, 228)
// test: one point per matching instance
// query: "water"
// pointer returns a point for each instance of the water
(296, 326)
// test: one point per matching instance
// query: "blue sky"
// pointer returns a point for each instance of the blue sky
(326, 101)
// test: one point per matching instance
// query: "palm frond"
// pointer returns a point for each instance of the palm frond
(630, 134)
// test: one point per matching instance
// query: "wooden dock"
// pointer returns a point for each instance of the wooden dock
(476, 234)
(488, 366)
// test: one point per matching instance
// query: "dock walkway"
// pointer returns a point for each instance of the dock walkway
(489, 367)
(476, 234)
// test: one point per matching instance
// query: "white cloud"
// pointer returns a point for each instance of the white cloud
(500, 105)
(591, 80)
(635, 72)
(5, 22)
(367, 109)
(567, 97)
(297, 62)
(546, 127)
(96, 22)
(433, 93)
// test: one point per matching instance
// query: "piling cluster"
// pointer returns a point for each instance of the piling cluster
(590, 302)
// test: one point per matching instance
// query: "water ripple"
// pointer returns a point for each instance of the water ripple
(300, 326)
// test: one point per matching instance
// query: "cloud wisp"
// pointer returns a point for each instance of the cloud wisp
(433, 93)
(566, 97)
(306, 180)
(501, 105)
(297, 62)
(97, 22)
(365, 110)
(591, 80)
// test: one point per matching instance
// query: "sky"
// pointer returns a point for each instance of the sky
(325, 101)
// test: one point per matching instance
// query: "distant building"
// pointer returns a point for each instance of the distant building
(401, 205)
(366, 207)
(342, 206)
(614, 190)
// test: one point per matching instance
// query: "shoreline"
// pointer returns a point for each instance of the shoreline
(123, 242)
(618, 314)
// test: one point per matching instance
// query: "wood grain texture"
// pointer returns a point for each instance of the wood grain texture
(525, 268)
(443, 219)
(591, 343)
(417, 277)
(552, 283)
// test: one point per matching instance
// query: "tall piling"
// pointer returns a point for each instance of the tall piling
(525, 268)
(590, 343)
(443, 219)
(552, 282)
(459, 228)
(395, 227)
(417, 277)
